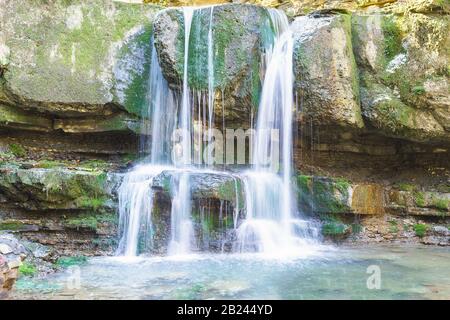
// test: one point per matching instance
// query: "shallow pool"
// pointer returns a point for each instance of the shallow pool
(374, 272)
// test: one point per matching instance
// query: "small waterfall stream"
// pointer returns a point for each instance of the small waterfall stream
(270, 224)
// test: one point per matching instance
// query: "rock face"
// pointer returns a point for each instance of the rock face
(238, 34)
(404, 76)
(73, 210)
(375, 212)
(326, 74)
(217, 200)
(73, 60)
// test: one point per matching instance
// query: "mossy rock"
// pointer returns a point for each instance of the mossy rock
(239, 33)
(58, 188)
(76, 58)
(323, 195)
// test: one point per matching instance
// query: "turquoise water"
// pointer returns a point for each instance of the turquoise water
(327, 273)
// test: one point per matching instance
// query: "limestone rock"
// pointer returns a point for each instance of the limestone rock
(72, 59)
(238, 33)
(404, 82)
(325, 71)
(57, 188)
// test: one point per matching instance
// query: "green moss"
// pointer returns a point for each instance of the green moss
(356, 228)
(48, 164)
(342, 185)
(418, 90)
(334, 229)
(441, 204)
(420, 229)
(90, 220)
(392, 38)
(84, 221)
(228, 190)
(323, 194)
(95, 164)
(393, 228)
(419, 199)
(11, 225)
(65, 262)
(405, 186)
(17, 150)
(27, 269)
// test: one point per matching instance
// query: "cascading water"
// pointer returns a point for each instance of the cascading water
(270, 225)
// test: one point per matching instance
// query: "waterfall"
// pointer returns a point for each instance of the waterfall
(270, 226)
(271, 223)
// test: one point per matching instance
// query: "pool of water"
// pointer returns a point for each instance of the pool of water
(411, 272)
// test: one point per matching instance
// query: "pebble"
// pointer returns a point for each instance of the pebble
(5, 249)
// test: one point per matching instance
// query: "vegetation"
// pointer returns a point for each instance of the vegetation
(94, 203)
(419, 199)
(334, 229)
(441, 204)
(49, 164)
(90, 221)
(27, 269)
(11, 225)
(420, 229)
(392, 38)
(418, 90)
(393, 226)
(405, 186)
(17, 150)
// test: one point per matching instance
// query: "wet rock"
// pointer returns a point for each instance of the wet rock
(239, 32)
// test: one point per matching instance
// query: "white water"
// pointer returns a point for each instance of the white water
(270, 226)
(135, 209)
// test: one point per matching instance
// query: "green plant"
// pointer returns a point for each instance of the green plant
(27, 269)
(84, 221)
(441, 204)
(418, 90)
(91, 202)
(420, 229)
(48, 164)
(419, 199)
(405, 186)
(11, 225)
(95, 164)
(392, 37)
(393, 226)
(17, 150)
